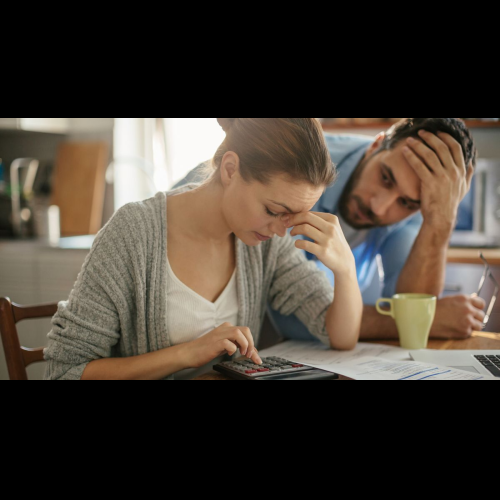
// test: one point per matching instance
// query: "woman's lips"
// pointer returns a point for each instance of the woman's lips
(262, 238)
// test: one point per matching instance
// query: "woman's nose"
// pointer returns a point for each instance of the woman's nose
(279, 228)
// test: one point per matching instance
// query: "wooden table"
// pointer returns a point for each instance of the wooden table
(478, 341)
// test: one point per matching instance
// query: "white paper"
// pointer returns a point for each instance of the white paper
(367, 362)
(369, 368)
(316, 352)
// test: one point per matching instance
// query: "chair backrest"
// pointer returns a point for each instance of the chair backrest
(18, 357)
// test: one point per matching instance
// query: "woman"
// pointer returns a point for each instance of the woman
(175, 282)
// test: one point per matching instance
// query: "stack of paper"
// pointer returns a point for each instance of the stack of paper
(367, 362)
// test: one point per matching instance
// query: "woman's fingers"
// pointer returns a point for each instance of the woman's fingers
(310, 232)
(239, 337)
(229, 347)
(256, 358)
(240, 340)
(315, 219)
(249, 338)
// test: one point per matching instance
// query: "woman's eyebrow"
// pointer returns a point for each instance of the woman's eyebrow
(283, 205)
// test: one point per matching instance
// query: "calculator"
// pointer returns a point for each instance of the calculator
(272, 368)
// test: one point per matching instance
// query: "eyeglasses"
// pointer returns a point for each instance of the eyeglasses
(488, 275)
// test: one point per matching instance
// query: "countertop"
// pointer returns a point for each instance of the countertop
(471, 256)
(73, 243)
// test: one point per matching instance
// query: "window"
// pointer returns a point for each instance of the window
(152, 154)
(189, 142)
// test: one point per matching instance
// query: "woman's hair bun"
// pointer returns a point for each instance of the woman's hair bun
(226, 123)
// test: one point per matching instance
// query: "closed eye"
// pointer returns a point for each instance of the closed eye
(271, 213)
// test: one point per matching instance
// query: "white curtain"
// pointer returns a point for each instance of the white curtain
(152, 154)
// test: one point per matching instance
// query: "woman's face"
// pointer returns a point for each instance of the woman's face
(254, 210)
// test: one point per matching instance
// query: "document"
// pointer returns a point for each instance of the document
(370, 368)
(367, 362)
(316, 352)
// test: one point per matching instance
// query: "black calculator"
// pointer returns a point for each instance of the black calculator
(272, 368)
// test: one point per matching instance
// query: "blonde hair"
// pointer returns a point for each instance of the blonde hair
(271, 146)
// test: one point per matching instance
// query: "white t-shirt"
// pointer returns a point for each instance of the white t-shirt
(191, 316)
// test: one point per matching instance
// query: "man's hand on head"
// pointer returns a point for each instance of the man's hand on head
(439, 162)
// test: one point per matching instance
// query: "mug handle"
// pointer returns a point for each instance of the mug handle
(381, 311)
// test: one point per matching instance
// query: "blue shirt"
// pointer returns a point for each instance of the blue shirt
(393, 243)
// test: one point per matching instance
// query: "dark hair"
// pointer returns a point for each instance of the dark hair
(266, 147)
(409, 127)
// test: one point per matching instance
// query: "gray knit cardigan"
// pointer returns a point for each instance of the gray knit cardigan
(119, 307)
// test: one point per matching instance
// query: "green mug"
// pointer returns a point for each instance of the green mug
(414, 314)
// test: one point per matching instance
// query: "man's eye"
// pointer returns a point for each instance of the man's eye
(406, 204)
(385, 179)
(271, 214)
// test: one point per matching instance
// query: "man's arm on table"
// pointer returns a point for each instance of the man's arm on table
(456, 317)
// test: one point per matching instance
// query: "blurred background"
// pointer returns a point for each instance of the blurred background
(61, 179)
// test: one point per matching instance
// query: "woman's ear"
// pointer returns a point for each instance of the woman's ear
(229, 168)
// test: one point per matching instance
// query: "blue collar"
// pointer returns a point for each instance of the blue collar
(330, 200)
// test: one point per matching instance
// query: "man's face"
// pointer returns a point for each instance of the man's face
(384, 190)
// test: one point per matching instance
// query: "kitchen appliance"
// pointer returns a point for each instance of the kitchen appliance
(22, 198)
(478, 223)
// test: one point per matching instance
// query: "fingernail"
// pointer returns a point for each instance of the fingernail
(286, 220)
(249, 354)
(422, 132)
(411, 140)
(243, 353)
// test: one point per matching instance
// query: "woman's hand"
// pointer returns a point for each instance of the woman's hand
(224, 339)
(330, 244)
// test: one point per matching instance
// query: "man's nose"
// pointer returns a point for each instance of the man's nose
(381, 203)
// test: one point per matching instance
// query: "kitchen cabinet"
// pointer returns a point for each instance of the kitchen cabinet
(53, 125)
(58, 125)
(32, 273)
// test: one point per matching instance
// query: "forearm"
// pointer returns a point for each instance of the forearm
(343, 320)
(425, 269)
(374, 326)
(151, 366)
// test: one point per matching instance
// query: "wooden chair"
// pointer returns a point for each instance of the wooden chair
(18, 357)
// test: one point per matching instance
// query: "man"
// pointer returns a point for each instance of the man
(397, 199)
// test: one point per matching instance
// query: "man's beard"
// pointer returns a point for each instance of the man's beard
(348, 197)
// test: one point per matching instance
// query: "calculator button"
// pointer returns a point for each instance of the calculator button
(262, 370)
(251, 372)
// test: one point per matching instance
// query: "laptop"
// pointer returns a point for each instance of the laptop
(482, 362)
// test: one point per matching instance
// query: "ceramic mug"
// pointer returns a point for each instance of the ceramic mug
(414, 314)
